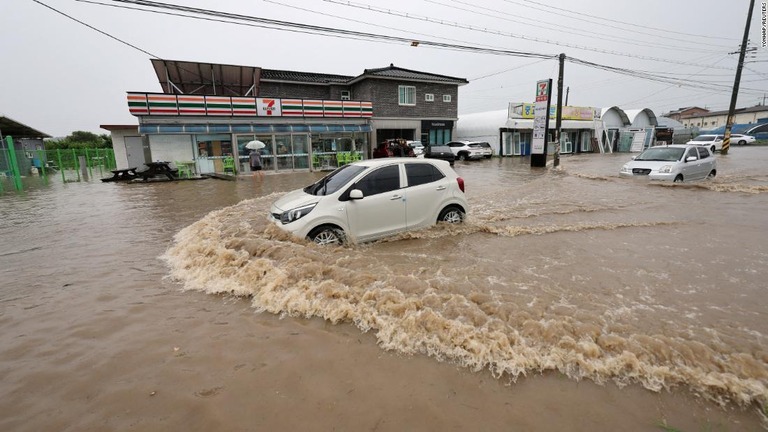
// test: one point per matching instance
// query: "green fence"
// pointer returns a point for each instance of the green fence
(71, 165)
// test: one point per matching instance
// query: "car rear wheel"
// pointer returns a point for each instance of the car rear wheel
(742, 142)
(462, 156)
(679, 178)
(327, 235)
(712, 174)
(451, 214)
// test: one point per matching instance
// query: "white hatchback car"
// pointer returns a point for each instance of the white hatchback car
(371, 199)
(676, 163)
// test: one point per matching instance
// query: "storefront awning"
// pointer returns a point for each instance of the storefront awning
(154, 129)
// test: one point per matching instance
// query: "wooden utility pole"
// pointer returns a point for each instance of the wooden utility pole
(559, 115)
(735, 94)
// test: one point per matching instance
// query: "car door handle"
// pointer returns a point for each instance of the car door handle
(440, 188)
(395, 197)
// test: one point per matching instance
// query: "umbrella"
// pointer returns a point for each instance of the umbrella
(255, 145)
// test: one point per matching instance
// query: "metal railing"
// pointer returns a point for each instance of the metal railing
(73, 165)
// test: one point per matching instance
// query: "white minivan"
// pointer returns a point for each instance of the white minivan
(370, 199)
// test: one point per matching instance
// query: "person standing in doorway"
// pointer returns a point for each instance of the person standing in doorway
(255, 160)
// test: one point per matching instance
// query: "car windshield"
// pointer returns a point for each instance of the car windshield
(335, 180)
(704, 138)
(661, 154)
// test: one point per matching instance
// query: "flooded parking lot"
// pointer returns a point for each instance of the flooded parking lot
(570, 300)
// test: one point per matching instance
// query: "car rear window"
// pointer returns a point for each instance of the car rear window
(704, 138)
(437, 149)
(422, 173)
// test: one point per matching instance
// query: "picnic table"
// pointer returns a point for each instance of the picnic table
(121, 175)
(158, 169)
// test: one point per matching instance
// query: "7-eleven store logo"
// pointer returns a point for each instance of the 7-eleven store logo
(268, 107)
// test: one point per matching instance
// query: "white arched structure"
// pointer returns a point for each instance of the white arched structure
(614, 118)
(642, 118)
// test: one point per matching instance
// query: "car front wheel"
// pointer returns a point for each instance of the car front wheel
(679, 178)
(451, 215)
(462, 156)
(327, 235)
(742, 142)
(712, 149)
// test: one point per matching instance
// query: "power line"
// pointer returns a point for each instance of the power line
(473, 8)
(95, 29)
(498, 32)
(278, 24)
(330, 30)
(611, 20)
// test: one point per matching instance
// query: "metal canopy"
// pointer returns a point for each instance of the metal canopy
(10, 127)
(180, 77)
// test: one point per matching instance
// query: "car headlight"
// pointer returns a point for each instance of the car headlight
(625, 169)
(665, 169)
(296, 214)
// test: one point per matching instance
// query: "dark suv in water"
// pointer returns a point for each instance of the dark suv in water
(440, 152)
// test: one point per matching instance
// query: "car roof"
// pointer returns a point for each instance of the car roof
(391, 160)
(674, 146)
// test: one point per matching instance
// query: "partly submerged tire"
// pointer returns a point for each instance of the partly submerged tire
(742, 142)
(712, 174)
(327, 235)
(712, 149)
(679, 178)
(451, 214)
(462, 156)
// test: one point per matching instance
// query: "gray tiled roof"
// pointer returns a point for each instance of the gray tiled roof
(393, 71)
(304, 77)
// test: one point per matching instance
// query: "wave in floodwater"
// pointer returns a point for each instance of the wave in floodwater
(414, 304)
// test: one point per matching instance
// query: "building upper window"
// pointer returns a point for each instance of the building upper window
(345, 95)
(406, 95)
(446, 98)
(429, 97)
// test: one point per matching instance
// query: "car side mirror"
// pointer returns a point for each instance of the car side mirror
(633, 157)
(691, 158)
(355, 194)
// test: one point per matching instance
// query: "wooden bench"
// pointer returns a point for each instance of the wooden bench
(121, 175)
(156, 169)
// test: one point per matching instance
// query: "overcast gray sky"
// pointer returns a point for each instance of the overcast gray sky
(59, 75)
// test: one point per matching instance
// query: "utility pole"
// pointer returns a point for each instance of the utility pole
(559, 115)
(735, 94)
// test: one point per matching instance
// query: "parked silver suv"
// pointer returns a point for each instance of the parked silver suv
(464, 151)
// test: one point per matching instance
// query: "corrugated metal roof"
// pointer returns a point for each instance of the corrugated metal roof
(182, 77)
(12, 128)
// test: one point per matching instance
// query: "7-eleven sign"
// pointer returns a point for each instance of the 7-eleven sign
(268, 107)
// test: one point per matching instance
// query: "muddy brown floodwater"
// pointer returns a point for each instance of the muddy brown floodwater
(570, 300)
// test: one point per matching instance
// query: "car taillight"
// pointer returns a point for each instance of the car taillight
(461, 183)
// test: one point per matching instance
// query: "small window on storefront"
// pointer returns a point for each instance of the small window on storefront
(446, 98)
(429, 97)
(406, 95)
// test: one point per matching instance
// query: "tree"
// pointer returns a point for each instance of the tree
(80, 140)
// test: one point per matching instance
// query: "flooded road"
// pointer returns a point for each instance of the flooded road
(570, 300)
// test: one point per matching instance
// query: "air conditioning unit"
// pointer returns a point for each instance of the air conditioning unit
(345, 95)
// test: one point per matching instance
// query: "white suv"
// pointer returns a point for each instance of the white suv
(371, 199)
(464, 151)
